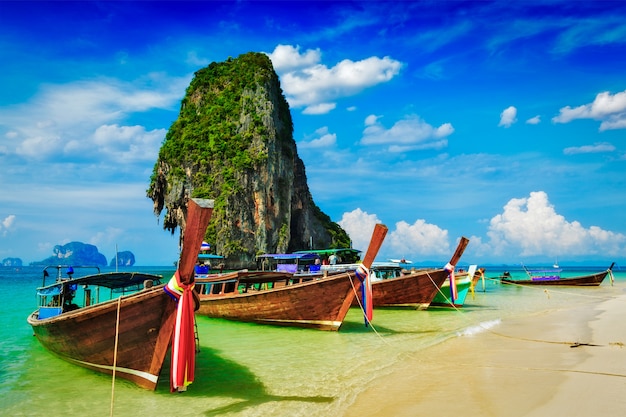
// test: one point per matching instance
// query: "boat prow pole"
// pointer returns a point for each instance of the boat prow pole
(459, 251)
(182, 373)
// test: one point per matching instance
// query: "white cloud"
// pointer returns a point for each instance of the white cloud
(359, 225)
(308, 83)
(609, 109)
(508, 117)
(321, 108)
(410, 133)
(128, 143)
(532, 227)
(419, 238)
(323, 139)
(69, 117)
(287, 58)
(596, 148)
(7, 224)
(534, 120)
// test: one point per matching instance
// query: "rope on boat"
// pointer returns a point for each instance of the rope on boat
(117, 333)
(370, 325)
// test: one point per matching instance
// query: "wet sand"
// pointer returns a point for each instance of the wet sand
(558, 363)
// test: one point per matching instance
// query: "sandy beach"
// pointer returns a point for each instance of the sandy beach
(568, 362)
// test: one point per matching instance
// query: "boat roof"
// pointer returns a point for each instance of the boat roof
(324, 252)
(112, 280)
(206, 256)
(287, 256)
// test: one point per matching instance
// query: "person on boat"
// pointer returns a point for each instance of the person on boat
(332, 259)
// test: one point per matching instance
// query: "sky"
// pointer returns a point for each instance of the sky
(504, 122)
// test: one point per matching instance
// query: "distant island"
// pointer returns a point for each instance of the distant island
(14, 262)
(78, 253)
(124, 258)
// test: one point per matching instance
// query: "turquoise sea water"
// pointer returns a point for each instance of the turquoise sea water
(257, 370)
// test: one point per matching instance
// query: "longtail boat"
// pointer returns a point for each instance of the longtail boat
(318, 301)
(127, 332)
(553, 277)
(415, 289)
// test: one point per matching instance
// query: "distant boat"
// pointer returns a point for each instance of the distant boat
(126, 333)
(401, 261)
(553, 277)
(283, 297)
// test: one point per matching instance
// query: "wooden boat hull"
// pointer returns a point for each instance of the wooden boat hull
(318, 304)
(415, 290)
(442, 298)
(86, 337)
(592, 280)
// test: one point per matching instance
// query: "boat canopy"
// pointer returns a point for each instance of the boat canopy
(289, 256)
(112, 280)
(328, 252)
(208, 257)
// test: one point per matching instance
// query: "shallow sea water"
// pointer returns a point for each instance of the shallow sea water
(258, 370)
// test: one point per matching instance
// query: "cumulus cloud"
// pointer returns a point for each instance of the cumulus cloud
(287, 58)
(534, 120)
(359, 225)
(410, 133)
(308, 83)
(508, 117)
(419, 238)
(596, 148)
(531, 226)
(322, 139)
(608, 108)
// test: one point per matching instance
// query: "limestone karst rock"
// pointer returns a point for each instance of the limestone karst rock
(233, 142)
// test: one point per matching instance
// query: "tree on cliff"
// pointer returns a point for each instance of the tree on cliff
(233, 142)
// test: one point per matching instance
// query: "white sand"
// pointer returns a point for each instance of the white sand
(522, 367)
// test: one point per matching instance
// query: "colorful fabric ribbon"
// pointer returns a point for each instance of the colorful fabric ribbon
(183, 337)
(453, 291)
(363, 274)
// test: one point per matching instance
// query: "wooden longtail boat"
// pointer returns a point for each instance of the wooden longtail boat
(126, 335)
(285, 299)
(416, 289)
(554, 278)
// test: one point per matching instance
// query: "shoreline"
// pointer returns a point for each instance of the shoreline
(560, 362)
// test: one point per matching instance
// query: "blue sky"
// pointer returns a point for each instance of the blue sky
(504, 122)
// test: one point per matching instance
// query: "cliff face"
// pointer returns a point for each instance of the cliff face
(233, 142)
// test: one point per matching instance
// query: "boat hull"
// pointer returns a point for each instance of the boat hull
(592, 280)
(87, 337)
(415, 290)
(443, 299)
(318, 304)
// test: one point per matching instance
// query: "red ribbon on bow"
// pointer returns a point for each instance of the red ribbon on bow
(183, 337)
